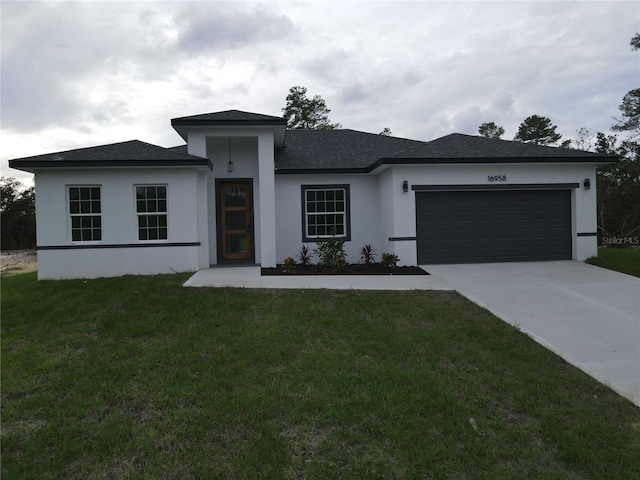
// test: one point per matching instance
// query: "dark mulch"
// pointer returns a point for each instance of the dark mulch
(351, 269)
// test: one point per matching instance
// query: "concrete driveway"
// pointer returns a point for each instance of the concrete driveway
(588, 315)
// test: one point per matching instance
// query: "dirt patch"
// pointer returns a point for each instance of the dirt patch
(13, 262)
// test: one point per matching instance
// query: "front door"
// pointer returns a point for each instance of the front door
(236, 232)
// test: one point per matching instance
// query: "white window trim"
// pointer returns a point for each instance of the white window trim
(70, 215)
(305, 215)
(137, 214)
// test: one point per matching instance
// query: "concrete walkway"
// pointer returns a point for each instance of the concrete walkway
(588, 315)
(249, 277)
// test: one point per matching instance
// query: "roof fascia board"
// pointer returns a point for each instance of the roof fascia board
(385, 163)
(493, 160)
(28, 166)
(190, 122)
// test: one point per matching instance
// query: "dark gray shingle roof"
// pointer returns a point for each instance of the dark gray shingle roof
(231, 117)
(350, 150)
(330, 149)
(308, 151)
(458, 145)
(179, 149)
(129, 153)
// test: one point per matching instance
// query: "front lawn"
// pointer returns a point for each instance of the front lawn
(139, 378)
(625, 260)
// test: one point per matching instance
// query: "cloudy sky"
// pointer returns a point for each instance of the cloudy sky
(77, 74)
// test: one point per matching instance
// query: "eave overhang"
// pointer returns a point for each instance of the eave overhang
(389, 162)
(32, 165)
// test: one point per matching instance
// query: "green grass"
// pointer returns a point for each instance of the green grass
(625, 260)
(139, 378)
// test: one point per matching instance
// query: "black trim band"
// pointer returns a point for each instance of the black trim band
(588, 234)
(513, 186)
(118, 245)
(401, 239)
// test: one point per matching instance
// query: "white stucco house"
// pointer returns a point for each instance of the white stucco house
(244, 189)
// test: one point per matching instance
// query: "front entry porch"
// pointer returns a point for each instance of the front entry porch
(249, 277)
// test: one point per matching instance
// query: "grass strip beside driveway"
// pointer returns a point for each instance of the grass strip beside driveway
(136, 377)
(624, 260)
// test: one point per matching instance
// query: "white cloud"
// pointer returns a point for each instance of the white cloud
(78, 74)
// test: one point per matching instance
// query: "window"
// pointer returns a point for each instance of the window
(85, 211)
(325, 212)
(151, 207)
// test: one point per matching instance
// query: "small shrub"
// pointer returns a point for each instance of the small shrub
(329, 251)
(288, 265)
(341, 264)
(368, 255)
(389, 260)
(305, 255)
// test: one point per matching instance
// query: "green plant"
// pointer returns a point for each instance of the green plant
(305, 255)
(389, 260)
(329, 251)
(368, 255)
(288, 265)
(341, 264)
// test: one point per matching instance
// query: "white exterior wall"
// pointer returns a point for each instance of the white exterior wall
(119, 223)
(267, 227)
(386, 199)
(115, 262)
(404, 215)
(401, 222)
(251, 149)
(366, 220)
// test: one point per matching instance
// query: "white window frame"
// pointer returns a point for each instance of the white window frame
(157, 213)
(346, 234)
(91, 214)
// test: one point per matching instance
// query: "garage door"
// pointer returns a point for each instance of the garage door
(493, 226)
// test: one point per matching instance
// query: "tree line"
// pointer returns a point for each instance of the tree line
(17, 215)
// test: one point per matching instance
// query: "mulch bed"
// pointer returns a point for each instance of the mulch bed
(351, 269)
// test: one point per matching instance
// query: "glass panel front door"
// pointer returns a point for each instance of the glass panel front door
(235, 221)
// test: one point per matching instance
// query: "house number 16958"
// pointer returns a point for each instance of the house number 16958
(497, 178)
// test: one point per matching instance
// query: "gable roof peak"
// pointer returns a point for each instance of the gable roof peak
(231, 117)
